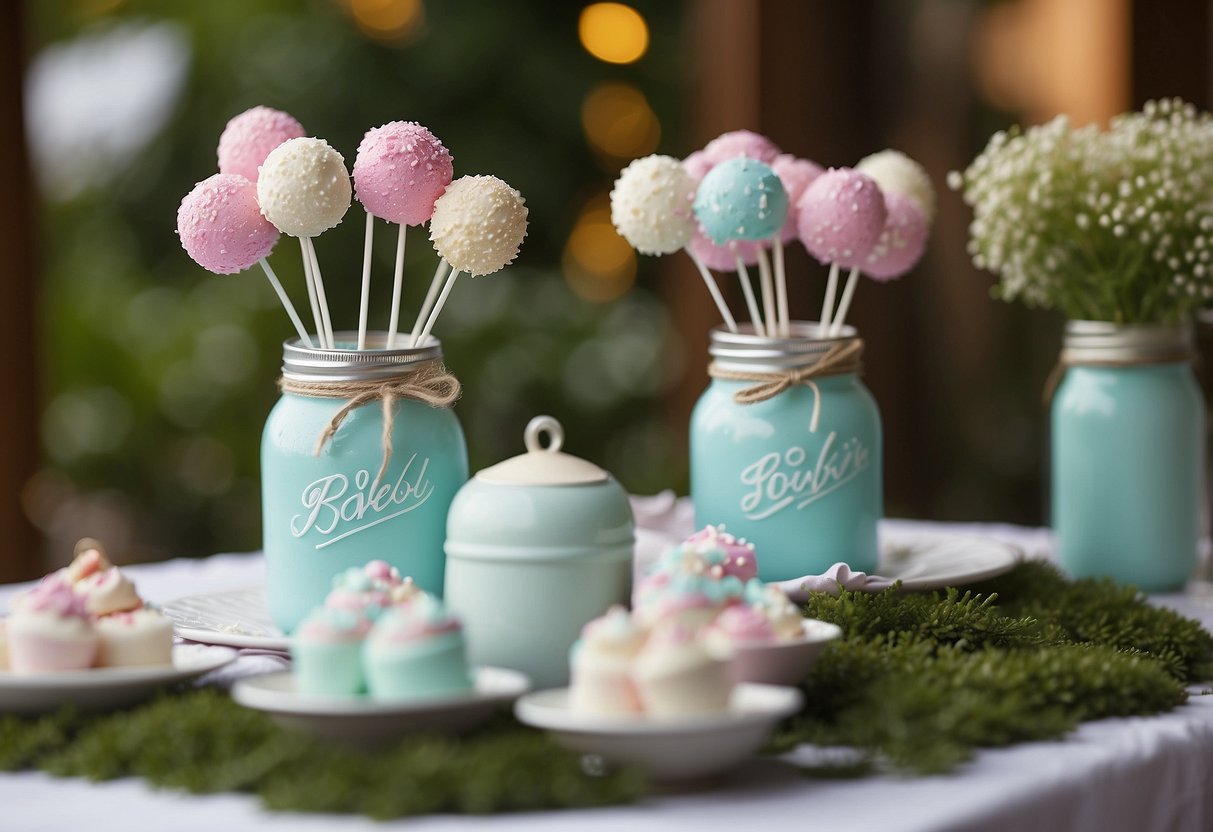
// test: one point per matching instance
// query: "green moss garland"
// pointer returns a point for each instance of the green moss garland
(918, 683)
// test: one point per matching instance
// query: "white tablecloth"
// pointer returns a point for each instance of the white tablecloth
(1119, 774)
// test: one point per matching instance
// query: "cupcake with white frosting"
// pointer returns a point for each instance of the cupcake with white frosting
(601, 664)
(134, 638)
(677, 675)
(49, 630)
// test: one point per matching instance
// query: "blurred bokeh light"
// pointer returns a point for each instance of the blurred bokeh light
(613, 32)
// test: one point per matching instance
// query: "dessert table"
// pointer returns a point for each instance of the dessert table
(1151, 773)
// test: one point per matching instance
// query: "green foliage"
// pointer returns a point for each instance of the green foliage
(203, 742)
(922, 680)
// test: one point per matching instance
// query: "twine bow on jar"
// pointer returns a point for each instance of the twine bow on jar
(843, 357)
(431, 384)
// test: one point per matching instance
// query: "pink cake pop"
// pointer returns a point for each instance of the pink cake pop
(697, 165)
(902, 242)
(249, 137)
(723, 258)
(401, 170)
(221, 227)
(796, 175)
(841, 216)
(741, 143)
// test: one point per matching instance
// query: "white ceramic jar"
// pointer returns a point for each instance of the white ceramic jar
(536, 547)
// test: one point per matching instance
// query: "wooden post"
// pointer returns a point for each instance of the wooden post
(20, 554)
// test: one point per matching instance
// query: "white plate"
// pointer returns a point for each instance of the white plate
(235, 618)
(935, 562)
(685, 748)
(362, 721)
(105, 688)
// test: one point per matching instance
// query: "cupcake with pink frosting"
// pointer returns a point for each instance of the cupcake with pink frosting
(49, 630)
(734, 556)
(107, 591)
(740, 625)
(416, 651)
(601, 665)
(359, 591)
(773, 603)
(326, 651)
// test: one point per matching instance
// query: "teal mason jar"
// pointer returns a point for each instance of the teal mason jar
(1128, 427)
(786, 450)
(339, 492)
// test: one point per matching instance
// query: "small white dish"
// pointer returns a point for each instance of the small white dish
(669, 749)
(935, 561)
(365, 722)
(105, 688)
(785, 662)
(234, 618)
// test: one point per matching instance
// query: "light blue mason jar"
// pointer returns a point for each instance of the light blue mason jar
(786, 450)
(1128, 429)
(328, 502)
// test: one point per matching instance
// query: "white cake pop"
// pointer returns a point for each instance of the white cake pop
(896, 172)
(651, 205)
(478, 224)
(304, 188)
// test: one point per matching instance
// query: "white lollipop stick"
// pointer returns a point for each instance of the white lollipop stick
(768, 294)
(446, 291)
(827, 306)
(781, 290)
(286, 302)
(397, 281)
(365, 300)
(430, 297)
(750, 303)
(311, 291)
(714, 290)
(321, 300)
(845, 303)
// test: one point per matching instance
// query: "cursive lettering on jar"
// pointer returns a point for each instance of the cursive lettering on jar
(329, 501)
(779, 480)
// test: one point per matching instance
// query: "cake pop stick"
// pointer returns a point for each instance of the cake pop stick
(714, 291)
(286, 302)
(651, 209)
(827, 303)
(796, 176)
(397, 286)
(321, 299)
(401, 169)
(781, 290)
(477, 226)
(304, 190)
(222, 229)
(844, 304)
(429, 322)
(769, 313)
(365, 298)
(310, 282)
(750, 301)
(743, 200)
(428, 304)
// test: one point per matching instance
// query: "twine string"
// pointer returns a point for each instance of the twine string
(431, 384)
(1066, 359)
(843, 357)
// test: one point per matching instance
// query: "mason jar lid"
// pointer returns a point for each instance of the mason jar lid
(744, 350)
(313, 364)
(543, 465)
(1106, 342)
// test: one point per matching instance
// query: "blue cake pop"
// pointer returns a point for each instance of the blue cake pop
(741, 199)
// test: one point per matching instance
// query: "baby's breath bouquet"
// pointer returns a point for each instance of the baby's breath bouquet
(1107, 225)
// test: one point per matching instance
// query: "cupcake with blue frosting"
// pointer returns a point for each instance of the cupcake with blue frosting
(416, 651)
(326, 650)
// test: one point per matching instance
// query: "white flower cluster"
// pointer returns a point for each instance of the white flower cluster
(1110, 225)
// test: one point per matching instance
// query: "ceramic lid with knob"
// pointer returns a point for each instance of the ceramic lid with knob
(542, 465)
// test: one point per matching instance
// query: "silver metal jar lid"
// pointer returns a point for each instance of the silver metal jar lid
(744, 350)
(1105, 342)
(312, 364)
